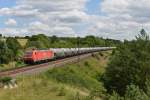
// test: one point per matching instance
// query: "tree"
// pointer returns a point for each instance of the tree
(54, 39)
(129, 64)
(135, 93)
(115, 96)
(40, 41)
(132, 92)
(90, 41)
(6, 53)
(13, 45)
(36, 44)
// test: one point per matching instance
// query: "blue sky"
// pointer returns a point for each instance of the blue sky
(7, 3)
(117, 19)
(93, 7)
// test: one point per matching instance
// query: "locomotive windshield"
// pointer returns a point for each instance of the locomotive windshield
(28, 54)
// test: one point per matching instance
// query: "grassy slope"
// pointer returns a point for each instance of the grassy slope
(70, 81)
(22, 42)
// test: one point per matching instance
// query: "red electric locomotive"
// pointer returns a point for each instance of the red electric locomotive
(38, 56)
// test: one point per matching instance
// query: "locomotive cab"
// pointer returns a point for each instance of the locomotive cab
(29, 56)
(38, 56)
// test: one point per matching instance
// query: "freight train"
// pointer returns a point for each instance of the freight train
(36, 56)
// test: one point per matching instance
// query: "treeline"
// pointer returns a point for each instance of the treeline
(42, 41)
(12, 50)
(127, 76)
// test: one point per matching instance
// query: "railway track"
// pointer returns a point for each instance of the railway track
(35, 69)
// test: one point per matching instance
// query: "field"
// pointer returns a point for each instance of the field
(71, 82)
(22, 42)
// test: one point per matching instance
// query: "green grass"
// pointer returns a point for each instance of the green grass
(11, 65)
(22, 42)
(70, 82)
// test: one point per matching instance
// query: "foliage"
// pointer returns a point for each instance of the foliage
(6, 53)
(148, 87)
(62, 91)
(129, 65)
(5, 80)
(134, 93)
(40, 41)
(80, 75)
(14, 46)
(77, 96)
(35, 44)
(19, 54)
(10, 50)
(69, 76)
(115, 96)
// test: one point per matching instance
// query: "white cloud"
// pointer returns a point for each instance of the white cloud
(11, 22)
(18, 11)
(119, 19)
(39, 27)
(13, 31)
(52, 17)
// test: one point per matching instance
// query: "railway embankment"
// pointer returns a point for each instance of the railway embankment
(76, 81)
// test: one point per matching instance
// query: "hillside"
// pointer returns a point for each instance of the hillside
(78, 81)
(22, 42)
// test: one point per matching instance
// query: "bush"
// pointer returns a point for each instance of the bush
(101, 54)
(95, 56)
(14, 46)
(6, 54)
(77, 96)
(5, 80)
(129, 64)
(115, 96)
(97, 92)
(72, 77)
(86, 64)
(40, 41)
(62, 91)
(134, 93)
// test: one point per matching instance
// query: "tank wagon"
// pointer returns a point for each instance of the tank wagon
(35, 56)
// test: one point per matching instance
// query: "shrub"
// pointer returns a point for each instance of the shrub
(134, 93)
(101, 54)
(62, 91)
(129, 64)
(6, 53)
(86, 64)
(96, 56)
(5, 80)
(115, 96)
(77, 96)
(69, 76)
